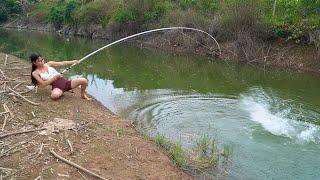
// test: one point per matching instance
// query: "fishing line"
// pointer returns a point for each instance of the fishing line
(139, 34)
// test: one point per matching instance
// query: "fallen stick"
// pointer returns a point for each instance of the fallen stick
(71, 148)
(17, 68)
(7, 169)
(8, 110)
(4, 122)
(13, 62)
(5, 60)
(75, 165)
(38, 178)
(33, 103)
(4, 85)
(40, 150)
(3, 113)
(16, 86)
(20, 132)
(33, 115)
(24, 92)
(82, 175)
(13, 80)
(1, 72)
(63, 175)
(16, 145)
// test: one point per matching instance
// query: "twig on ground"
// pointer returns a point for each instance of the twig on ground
(16, 145)
(16, 68)
(38, 178)
(75, 165)
(70, 145)
(11, 81)
(16, 86)
(40, 149)
(63, 175)
(2, 73)
(33, 103)
(8, 110)
(7, 169)
(4, 122)
(5, 60)
(4, 86)
(24, 92)
(33, 115)
(13, 62)
(82, 175)
(21, 132)
(3, 113)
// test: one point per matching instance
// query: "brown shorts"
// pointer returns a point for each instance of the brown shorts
(62, 84)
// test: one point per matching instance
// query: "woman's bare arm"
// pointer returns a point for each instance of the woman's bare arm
(43, 83)
(62, 63)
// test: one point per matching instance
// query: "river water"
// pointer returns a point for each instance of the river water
(271, 118)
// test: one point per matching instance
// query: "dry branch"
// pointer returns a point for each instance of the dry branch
(5, 60)
(33, 103)
(71, 148)
(16, 145)
(40, 149)
(4, 122)
(3, 113)
(75, 165)
(13, 62)
(8, 110)
(20, 132)
(16, 68)
(16, 86)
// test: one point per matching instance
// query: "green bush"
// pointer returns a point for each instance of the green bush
(123, 16)
(202, 6)
(7, 8)
(240, 15)
(294, 19)
(56, 15)
(3, 14)
(94, 12)
(142, 11)
(69, 8)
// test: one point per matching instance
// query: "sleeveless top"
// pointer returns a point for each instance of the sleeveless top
(49, 74)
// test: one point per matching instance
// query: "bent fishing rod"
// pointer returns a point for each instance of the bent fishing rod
(139, 34)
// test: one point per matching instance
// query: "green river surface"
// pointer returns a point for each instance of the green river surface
(271, 118)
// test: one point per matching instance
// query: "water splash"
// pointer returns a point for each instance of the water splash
(280, 117)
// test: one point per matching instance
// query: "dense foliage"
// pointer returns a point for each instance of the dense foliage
(9, 8)
(289, 19)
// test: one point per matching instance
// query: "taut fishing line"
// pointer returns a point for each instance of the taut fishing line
(139, 34)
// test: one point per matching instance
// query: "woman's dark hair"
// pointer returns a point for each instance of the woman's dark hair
(34, 58)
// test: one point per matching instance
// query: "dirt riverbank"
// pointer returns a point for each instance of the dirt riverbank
(81, 131)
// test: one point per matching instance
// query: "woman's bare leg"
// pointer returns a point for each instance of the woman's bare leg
(83, 83)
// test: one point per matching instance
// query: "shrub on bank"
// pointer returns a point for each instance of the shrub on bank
(9, 8)
(293, 20)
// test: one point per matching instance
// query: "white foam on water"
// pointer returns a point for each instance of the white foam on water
(278, 121)
(308, 134)
(259, 113)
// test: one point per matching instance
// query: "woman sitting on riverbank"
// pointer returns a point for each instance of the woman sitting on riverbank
(43, 74)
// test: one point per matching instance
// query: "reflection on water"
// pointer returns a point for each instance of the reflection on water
(270, 117)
